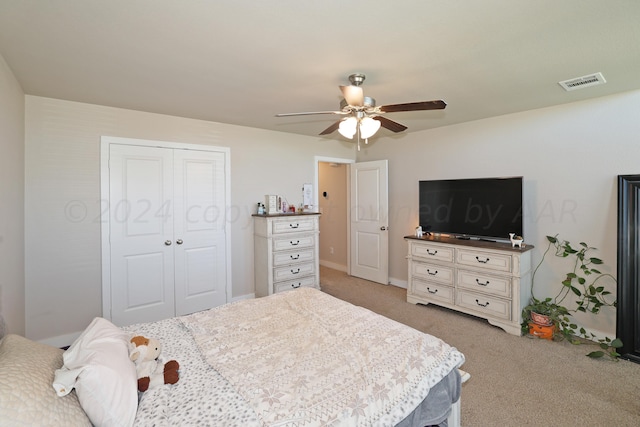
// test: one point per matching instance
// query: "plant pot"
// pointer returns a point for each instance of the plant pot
(540, 319)
(541, 331)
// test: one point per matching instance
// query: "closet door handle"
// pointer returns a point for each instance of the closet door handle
(179, 241)
(167, 242)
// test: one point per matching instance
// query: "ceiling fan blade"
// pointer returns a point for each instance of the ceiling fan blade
(308, 113)
(414, 106)
(390, 124)
(331, 128)
(354, 95)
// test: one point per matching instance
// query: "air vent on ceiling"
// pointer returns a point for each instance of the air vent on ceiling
(584, 81)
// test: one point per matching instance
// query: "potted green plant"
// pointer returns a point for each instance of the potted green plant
(583, 282)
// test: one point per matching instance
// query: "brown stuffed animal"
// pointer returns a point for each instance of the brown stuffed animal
(145, 352)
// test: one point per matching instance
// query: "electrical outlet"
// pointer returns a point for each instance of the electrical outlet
(331, 250)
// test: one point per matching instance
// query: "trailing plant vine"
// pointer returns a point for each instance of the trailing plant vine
(583, 281)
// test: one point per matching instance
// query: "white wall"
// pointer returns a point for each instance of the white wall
(62, 168)
(569, 156)
(12, 298)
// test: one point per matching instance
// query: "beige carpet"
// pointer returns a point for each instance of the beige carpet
(515, 381)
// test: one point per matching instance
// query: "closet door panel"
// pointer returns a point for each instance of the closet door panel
(199, 230)
(141, 181)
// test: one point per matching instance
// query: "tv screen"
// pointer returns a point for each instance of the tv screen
(475, 208)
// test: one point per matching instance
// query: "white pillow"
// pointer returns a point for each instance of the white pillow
(26, 397)
(97, 364)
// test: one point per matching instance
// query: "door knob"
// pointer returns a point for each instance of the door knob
(179, 241)
(167, 242)
(383, 228)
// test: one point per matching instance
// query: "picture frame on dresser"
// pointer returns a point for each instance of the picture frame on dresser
(490, 280)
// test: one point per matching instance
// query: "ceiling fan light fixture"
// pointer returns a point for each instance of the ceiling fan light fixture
(347, 127)
(368, 127)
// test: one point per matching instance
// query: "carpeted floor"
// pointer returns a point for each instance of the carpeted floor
(515, 381)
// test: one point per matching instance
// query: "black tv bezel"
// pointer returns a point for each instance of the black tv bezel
(465, 234)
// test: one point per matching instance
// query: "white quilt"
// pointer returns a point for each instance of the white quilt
(298, 358)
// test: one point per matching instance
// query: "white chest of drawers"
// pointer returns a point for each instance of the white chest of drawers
(485, 279)
(285, 252)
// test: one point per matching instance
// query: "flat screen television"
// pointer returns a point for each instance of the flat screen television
(482, 208)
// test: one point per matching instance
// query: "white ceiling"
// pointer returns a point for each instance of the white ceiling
(243, 61)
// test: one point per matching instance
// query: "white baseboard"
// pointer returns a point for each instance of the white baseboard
(241, 297)
(61, 340)
(399, 283)
(333, 265)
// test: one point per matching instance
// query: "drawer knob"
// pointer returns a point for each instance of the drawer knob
(294, 257)
(294, 226)
(431, 253)
(432, 273)
(435, 291)
(482, 284)
(295, 272)
(482, 305)
(294, 286)
(482, 261)
(294, 244)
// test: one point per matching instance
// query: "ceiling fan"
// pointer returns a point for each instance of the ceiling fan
(364, 118)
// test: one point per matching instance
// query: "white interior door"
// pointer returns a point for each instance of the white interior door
(141, 234)
(369, 221)
(199, 230)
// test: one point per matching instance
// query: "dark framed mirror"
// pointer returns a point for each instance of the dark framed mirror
(628, 313)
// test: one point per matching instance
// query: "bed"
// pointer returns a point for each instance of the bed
(297, 358)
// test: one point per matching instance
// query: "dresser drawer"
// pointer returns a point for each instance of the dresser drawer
(293, 271)
(293, 257)
(432, 272)
(433, 252)
(432, 290)
(309, 281)
(494, 285)
(294, 225)
(294, 242)
(484, 260)
(486, 305)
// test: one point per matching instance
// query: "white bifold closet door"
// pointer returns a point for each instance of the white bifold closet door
(166, 232)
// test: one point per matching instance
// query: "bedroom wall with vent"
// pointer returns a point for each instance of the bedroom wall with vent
(569, 155)
(63, 206)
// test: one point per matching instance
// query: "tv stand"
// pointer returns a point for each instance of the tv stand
(486, 279)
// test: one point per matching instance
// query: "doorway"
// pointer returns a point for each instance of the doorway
(353, 200)
(333, 203)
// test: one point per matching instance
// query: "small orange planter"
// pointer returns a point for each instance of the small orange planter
(541, 331)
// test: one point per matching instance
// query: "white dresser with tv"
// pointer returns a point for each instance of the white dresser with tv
(490, 280)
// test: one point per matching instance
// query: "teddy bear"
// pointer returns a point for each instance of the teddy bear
(151, 372)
